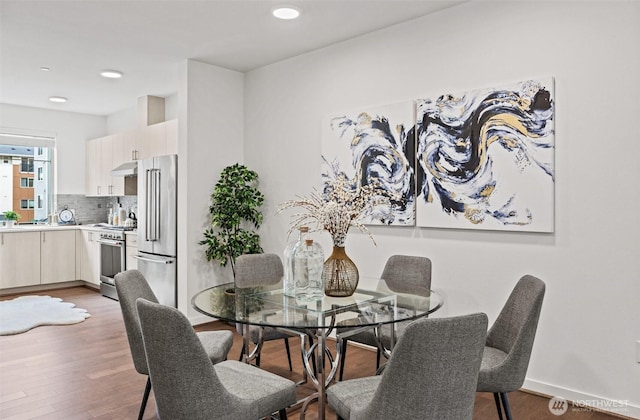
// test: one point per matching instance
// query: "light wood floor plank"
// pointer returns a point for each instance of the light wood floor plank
(85, 371)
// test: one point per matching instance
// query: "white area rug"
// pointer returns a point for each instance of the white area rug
(26, 312)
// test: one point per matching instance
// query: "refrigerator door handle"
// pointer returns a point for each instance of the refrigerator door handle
(152, 201)
(141, 258)
(156, 207)
(147, 202)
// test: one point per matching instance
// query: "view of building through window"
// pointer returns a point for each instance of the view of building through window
(25, 181)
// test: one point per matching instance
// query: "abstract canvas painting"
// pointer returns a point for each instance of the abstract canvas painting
(485, 158)
(374, 145)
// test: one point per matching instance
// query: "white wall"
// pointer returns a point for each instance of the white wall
(123, 120)
(127, 119)
(210, 124)
(591, 317)
(71, 130)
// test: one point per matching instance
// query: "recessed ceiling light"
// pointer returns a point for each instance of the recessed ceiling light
(58, 99)
(111, 74)
(44, 68)
(286, 12)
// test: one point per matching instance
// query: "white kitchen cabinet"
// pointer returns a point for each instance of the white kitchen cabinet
(152, 140)
(131, 249)
(103, 155)
(130, 145)
(92, 168)
(57, 256)
(88, 256)
(104, 161)
(106, 153)
(19, 259)
(116, 183)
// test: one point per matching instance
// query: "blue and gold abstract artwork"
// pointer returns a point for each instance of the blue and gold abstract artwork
(486, 158)
(373, 144)
(482, 159)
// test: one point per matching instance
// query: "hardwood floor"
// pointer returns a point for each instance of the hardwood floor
(85, 371)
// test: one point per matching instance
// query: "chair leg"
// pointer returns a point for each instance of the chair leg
(282, 414)
(344, 357)
(378, 354)
(505, 404)
(496, 397)
(145, 397)
(286, 346)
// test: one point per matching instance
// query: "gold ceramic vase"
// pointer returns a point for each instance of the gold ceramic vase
(339, 274)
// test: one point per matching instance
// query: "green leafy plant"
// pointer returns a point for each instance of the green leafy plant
(235, 215)
(11, 215)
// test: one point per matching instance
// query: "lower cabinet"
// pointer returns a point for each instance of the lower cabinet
(57, 256)
(35, 258)
(19, 259)
(88, 256)
(131, 250)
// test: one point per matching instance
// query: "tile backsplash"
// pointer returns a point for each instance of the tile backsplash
(89, 210)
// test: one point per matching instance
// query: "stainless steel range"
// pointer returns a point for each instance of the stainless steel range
(112, 257)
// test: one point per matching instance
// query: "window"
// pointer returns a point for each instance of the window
(26, 174)
(26, 165)
(26, 182)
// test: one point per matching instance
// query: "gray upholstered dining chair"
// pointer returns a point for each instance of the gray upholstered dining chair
(510, 341)
(188, 386)
(431, 374)
(254, 270)
(403, 274)
(131, 285)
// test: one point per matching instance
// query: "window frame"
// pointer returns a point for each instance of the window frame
(43, 144)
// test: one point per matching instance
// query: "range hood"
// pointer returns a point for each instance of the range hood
(126, 169)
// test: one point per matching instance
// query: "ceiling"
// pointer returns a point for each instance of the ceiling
(148, 39)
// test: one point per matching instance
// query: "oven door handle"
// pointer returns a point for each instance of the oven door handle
(151, 260)
(108, 242)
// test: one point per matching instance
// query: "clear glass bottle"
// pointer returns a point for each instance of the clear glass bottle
(308, 259)
(288, 285)
(122, 215)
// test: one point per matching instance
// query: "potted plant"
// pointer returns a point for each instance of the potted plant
(11, 218)
(235, 216)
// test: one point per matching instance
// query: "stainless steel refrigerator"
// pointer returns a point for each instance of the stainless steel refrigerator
(157, 225)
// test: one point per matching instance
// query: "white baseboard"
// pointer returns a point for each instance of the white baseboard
(585, 402)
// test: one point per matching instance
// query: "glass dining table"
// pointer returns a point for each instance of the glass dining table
(372, 305)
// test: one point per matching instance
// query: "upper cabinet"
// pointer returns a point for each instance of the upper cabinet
(106, 153)
(131, 145)
(153, 140)
(116, 144)
(92, 165)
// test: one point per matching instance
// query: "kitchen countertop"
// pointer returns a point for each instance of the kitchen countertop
(44, 228)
